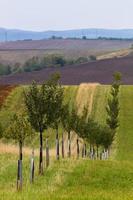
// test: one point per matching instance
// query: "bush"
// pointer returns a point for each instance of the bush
(92, 57)
(5, 69)
(82, 60)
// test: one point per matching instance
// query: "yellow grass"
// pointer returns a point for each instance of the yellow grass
(85, 96)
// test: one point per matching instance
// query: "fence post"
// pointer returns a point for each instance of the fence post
(69, 144)
(47, 153)
(85, 151)
(62, 145)
(19, 175)
(77, 148)
(32, 167)
(57, 146)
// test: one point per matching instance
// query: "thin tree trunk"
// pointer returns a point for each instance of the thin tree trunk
(47, 153)
(62, 145)
(93, 152)
(20, 150)
(77, 148)
(85, 151)
(90, 151)
(41, 154)
(69, 145)
(57, 145)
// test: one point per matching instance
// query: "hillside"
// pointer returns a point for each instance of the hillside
(93, 72)
(77, 179)
(7, 34)
(21, 51)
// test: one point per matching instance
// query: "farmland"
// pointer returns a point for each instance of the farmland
(20, 51)
(72, 178)
(95, 72)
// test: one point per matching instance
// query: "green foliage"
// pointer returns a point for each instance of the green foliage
(92, 57)
(105, 137)
(69, 118)
(37, 107)
(5, 69)
(19, 128)
(113, 104)
(32, 64)
(81, 60)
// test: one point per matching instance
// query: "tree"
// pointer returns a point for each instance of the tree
(113, 104)
(40, 103)
(106, 137)
(84, 38)
(19, 130)
(37, 105)
(56, 107)
(92, 57)
(69, 122)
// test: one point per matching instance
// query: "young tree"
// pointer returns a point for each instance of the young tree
(40, 104)
(19, 130)
(113, 104)
(106, 137)
(56, 108)
(69, 121)
(37, 106)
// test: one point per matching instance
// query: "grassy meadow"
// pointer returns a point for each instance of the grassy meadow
(74, 179)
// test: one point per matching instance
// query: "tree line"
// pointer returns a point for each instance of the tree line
(37, 63)
(45, 107)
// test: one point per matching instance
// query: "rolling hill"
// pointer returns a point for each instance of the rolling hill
(13, 34)
(77, 179)
(93, 72)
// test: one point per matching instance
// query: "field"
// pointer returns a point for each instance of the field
(20, 51)
(92, 72)
(72, 179)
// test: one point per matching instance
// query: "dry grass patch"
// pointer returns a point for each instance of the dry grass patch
(85, 96)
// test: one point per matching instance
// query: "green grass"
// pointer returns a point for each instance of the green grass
(125, 132)
(69, 179)
(77, 179)
(99, 103)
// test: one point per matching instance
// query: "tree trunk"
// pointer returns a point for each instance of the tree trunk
(69, 145)
(47, 153)
(20, 150)
(85, 151)
(77, 148)
(57, 145)
(90, 151)
(62, 145)
(41, 154)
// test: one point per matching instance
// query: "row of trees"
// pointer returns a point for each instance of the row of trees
(45, 108)
(37, 63)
